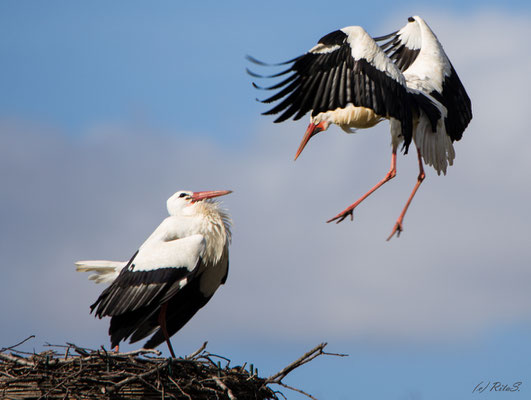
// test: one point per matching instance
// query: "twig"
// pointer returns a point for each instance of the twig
(218, 356)
(65, 379)
(224, 387)
(178, 387)
(306, 358)
(118, 385)
(80, 350)
(195, 353)
(18, 344)
(139, 352)
(17, 360)
(296, 390)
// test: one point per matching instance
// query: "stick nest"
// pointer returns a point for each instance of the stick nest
(72, 372)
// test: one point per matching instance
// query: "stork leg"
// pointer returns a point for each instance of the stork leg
(350, 209)
(162, 323)
(117, 348)
(398, 226)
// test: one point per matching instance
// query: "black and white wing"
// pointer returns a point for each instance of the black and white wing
(420, 56)
(153, 275)
(346, 67)
(183, 306)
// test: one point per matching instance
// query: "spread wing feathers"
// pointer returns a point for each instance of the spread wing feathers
(404, 45)
(456, 100)
(153, 275)
(346, 67)
(418, 53)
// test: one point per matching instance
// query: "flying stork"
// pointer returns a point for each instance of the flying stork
(171, 276)
(349, 80)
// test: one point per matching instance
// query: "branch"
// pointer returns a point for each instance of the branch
(306, 358)
(139, 352)
(21, 361)
(297, 390)
(135, 377)
(224, 387)
(18, 344)
(195, 353)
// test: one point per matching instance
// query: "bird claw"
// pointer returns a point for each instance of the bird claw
(396, 229)
(342, 215)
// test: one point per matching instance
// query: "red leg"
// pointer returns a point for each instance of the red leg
(162, 323)
(398, 226)
(117, 348)
(349, 210)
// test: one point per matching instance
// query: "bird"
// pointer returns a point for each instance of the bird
(349, 80)
(171, 276)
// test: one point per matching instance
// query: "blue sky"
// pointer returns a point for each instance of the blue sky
(107, 108)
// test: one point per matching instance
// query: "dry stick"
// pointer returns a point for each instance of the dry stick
(306, 358)
(178, 387)
(18, 344)
(80, 350)
(17, 360)
(132, 378)
(6, 374)
(65, 379)
(138, 352)
(195, 353)
(155, 388)
(296, 390)
(224, 387)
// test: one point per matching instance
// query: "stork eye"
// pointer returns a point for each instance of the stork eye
(183, 195)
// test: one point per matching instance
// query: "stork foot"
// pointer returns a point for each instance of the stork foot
(397, 229)
(342, 215)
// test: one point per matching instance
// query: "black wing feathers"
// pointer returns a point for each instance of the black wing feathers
(135, 289)
(397, 51)
(458, 104)
(453, 97)
(329, 78)
(181, 308)
(333, 38)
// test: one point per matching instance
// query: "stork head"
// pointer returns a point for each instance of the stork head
(180, 201)
(313, 129)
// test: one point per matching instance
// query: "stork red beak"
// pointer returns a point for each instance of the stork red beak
(198, 196)
(312, 130)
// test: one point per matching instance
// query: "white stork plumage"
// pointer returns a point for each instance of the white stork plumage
(171, 276)
(349, 80)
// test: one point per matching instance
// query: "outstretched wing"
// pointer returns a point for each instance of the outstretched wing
(420, 56)
(346, 67)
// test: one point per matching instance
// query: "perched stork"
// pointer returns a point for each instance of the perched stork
(350, 81)
(171, 276)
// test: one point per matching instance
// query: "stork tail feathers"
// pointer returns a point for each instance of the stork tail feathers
(104, 271)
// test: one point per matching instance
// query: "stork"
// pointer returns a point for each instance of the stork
(171, 276)
(349, 80)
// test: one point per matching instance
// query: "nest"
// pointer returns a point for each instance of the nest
(72, 372)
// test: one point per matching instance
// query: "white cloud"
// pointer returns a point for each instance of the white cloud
(460, 265)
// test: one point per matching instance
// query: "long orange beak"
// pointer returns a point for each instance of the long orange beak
(312, 130)
(198, 196)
